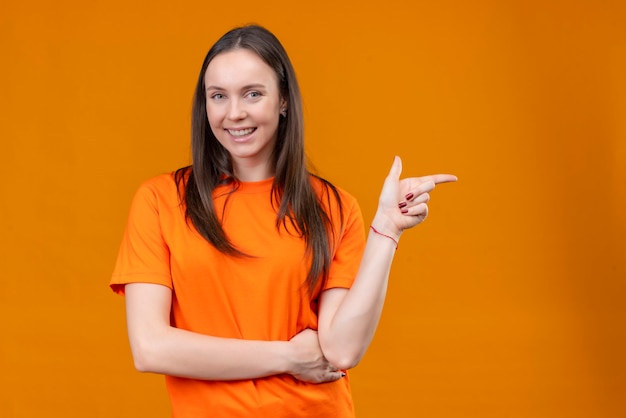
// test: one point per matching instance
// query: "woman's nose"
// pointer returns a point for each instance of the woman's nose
(236, 110)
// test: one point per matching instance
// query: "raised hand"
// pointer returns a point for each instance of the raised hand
(308, 361)
(404, 203)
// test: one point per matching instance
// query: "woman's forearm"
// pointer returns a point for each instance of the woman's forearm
(348, 318)
(182, 353)
(158, 347)
(346, 335)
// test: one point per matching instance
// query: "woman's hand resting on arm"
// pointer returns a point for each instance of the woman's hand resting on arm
(312, 366)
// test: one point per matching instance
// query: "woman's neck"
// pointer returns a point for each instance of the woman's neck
(254, 172)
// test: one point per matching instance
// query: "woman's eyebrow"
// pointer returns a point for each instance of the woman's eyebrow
(246, 87)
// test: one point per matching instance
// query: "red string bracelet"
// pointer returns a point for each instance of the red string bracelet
(384, 235)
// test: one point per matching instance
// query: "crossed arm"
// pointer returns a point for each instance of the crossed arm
(158, 347)
(347, 317)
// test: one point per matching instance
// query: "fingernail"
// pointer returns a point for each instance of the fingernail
(404, 211)
(401, 205)
(409, 196)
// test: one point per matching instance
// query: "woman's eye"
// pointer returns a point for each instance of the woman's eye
(254, 94)
(217, 96)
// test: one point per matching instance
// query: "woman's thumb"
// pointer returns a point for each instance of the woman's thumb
(396, 168)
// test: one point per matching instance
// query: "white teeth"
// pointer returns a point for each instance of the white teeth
(241, 132)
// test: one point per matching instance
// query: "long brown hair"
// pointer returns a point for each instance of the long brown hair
(292, 192)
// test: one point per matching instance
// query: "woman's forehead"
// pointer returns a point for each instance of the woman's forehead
(238, 67)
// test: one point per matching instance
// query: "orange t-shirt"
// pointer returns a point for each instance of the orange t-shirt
(255, 298)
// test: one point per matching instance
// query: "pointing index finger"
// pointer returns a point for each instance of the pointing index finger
(440, 178)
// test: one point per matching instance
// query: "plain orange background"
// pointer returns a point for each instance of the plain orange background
(508, 302)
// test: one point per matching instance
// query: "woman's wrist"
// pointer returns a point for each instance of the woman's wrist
(385, 227)
(377, 232)
(286, 356)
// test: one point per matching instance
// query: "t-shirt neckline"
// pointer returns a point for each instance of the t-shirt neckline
(251, 186)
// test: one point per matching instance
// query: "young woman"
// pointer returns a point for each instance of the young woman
(248, 280)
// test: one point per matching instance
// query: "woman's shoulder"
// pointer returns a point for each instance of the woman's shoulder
(159, 182)
(165, 186)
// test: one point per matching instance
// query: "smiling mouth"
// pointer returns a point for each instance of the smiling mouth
(238, 133)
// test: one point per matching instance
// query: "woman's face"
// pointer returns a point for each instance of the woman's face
(243, 104)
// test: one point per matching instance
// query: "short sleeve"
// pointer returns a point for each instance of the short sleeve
(144, 256)
(347, 257)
